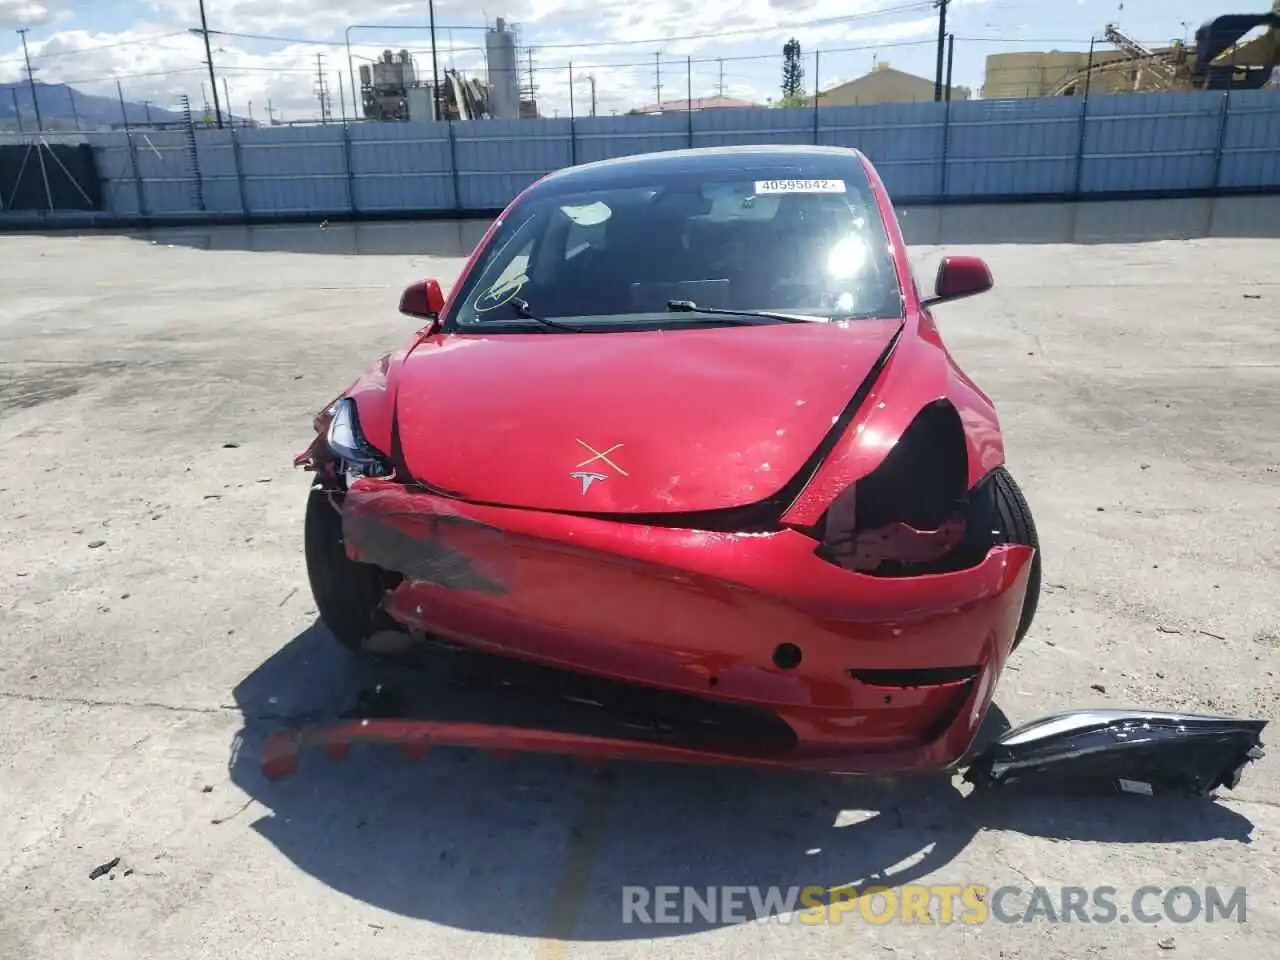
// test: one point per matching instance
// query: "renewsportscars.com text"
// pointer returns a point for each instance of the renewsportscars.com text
(933, 904)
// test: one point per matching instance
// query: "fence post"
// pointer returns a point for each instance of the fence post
(1076, 193)
(817, 66)
(688, 96)
(235, 153)
(349, 169)
(137, 175)
(1224, 116)
(453, 168)
(573, 123)
(946, 147)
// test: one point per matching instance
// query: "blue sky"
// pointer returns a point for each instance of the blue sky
(735, 42)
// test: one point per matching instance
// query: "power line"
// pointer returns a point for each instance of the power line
(41, 55)
(133, 76)
(916, 6)
(717, 61)
(745, 58)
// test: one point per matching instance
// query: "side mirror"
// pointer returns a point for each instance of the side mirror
(960, 277)
(423, 300)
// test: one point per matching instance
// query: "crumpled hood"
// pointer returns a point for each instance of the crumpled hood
(638, 422)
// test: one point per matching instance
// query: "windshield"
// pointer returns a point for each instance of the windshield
(616, 258)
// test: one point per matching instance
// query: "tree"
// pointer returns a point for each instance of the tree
(792, 75)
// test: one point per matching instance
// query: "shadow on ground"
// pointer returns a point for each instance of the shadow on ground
(481, 844)
(423, 238)
(1083, 223)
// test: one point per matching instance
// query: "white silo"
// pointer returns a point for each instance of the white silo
(504, 80)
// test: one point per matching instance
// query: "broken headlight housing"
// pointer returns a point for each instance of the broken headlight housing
(355, 456)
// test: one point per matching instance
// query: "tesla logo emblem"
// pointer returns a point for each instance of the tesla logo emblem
(586, 478)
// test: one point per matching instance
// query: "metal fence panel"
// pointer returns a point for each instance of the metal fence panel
(496, 159)
(1061, 147)
(604, 138)
(1003, 148)
(1167, 143)
(1251, 140)
(907, 147)
(400, 166)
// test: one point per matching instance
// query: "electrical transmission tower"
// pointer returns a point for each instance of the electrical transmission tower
(322, 90)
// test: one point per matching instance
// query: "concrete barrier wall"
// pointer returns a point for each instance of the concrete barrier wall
(1061, 148)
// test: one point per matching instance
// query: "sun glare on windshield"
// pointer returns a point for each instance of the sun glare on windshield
(812, 247)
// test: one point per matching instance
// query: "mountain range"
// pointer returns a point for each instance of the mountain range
(63, 108)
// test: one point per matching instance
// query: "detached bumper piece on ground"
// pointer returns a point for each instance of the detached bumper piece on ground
(1128, 751)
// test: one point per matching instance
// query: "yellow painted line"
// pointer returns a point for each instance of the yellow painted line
(575, 874)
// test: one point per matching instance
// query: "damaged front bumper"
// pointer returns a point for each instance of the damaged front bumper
(1147, 753)
(790, 655)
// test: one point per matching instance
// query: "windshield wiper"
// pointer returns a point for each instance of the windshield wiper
(524, 311)
(688, 306)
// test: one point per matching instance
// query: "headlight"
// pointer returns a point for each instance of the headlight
(348, 444)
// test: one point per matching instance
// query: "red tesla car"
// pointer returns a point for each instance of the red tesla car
(686, 425)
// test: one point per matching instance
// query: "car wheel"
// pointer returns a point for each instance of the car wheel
(348, 594)
(1017, 526)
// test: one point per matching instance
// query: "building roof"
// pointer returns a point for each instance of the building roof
(882, 68)
(698, 103)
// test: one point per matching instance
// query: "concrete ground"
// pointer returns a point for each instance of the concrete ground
(156, 621)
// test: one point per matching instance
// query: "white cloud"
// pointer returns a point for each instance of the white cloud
(20, 13)
(735, 45)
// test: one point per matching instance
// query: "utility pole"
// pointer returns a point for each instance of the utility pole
(720, 84)
(436, 112)
(657, 78)
(31, 78)
(942, 46)
(533, 87)
(208, 53)
(591, 79)
(322, 88)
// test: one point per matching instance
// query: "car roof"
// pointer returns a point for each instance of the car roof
(711, 161)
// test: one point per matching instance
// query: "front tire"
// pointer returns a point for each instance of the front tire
(348, 594)
(1015, 525)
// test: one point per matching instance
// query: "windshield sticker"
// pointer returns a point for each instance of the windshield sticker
(498, 295)
(765, 187)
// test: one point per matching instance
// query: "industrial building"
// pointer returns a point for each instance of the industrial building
(394, 87)
(1223, 56)
(884, 84)
(504, 74)
(384, 86)
(1034, 74)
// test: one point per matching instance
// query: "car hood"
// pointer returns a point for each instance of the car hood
(634, 422)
